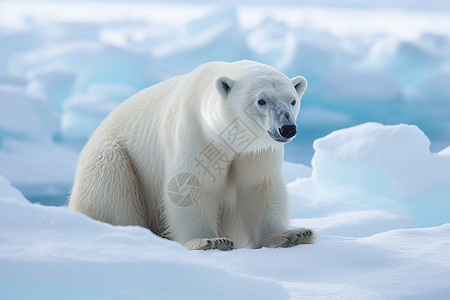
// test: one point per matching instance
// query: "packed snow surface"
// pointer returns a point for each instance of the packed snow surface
(52, 253)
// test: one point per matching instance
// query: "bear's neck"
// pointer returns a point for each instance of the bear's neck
(214, 114)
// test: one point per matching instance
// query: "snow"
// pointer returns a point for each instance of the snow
(52, 253)
(381, 266)
(369, 170)
(358, 223)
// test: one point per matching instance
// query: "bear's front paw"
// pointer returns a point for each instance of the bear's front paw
(289, 238)
(223, 244)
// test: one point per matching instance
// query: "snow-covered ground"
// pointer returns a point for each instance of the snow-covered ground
(52, 253)
(377, 195)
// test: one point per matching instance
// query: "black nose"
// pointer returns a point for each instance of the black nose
(288, 131)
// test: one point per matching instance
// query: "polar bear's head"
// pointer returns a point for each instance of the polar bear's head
(264, 100)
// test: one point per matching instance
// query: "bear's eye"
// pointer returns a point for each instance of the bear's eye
(262, 102)
(293, 102)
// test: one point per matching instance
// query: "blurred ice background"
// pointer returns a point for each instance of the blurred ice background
(64, 65)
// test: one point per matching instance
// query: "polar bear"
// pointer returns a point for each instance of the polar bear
(198, 159)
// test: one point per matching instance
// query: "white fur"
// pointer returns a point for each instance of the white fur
(124, 171)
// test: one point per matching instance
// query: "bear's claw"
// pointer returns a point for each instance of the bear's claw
(223, 244)
(290, 238)
(296, 237)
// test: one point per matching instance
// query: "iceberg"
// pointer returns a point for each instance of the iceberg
(376, 166)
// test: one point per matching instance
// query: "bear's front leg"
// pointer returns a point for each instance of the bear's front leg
(289, 238)
(191, 214)
(193, 227)
(274, 231)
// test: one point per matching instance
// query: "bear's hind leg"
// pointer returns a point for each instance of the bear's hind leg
(107, 187)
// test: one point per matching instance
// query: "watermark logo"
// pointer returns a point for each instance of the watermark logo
(238, 136)
(184, 190)
(213, 161)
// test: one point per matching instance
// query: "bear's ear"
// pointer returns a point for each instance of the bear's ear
(300, 84)
(224, 85)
